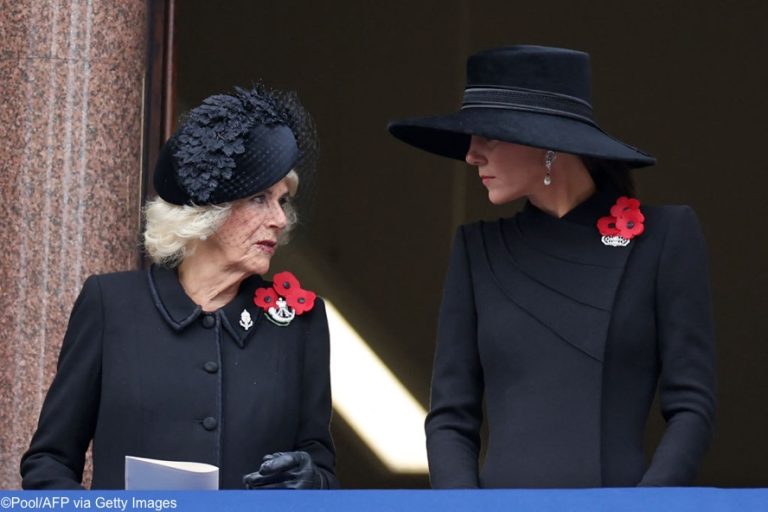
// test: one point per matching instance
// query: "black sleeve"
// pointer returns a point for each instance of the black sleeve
(455, 416)
(56, 455)
(316, 408)
(686, 347)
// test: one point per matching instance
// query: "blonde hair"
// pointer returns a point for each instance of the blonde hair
(172, 231)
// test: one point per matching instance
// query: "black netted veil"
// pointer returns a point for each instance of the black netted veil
(235, 145)
(304, 130)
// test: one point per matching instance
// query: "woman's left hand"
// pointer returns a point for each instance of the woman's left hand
(285, 470)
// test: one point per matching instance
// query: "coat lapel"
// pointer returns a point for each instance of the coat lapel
(174, 305)
(558, 271)
(241, 317)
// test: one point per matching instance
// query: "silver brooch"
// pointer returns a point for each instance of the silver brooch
(615, 241)
(281, 314)
(245, 320)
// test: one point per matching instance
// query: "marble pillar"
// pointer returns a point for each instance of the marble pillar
(71, 76)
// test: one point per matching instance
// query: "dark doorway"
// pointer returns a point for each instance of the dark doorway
(683, 81)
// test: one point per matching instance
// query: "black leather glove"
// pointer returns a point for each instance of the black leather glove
(286, 470)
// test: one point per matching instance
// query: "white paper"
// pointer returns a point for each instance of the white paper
(142, 474)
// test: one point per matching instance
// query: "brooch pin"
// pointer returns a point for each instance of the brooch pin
(284, 300)
(623, 224)
(245, 320)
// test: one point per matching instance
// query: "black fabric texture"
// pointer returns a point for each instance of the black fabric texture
(566, 341)
(144, 371)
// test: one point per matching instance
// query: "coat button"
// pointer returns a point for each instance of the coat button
(210, 423)
(211, 366)
(208, 321)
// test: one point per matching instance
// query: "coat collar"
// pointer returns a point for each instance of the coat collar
(575, 236)
(558, 270)
(179, 311)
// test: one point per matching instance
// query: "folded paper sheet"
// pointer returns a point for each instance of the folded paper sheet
(142, 474)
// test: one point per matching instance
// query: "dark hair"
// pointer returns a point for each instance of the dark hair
(612, 175)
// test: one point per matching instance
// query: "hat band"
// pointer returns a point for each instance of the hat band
(528, 100)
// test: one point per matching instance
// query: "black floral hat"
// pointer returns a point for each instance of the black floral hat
(233, 146)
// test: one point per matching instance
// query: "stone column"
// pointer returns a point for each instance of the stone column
(71, 75)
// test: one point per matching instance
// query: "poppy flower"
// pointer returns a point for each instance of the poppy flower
(607, 226)
(630, 224)
(624, 223)
(286, 284)
(265, 298)
(624, 204)
(302, 301)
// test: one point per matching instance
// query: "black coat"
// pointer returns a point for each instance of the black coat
(566, 339)
(144, 371)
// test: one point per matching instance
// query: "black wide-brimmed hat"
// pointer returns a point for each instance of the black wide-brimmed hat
(531, 95)
(233, 146)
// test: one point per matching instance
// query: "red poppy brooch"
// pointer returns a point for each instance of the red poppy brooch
(284, 300)
(623, 224)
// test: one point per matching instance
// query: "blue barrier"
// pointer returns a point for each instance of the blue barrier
(696, 499)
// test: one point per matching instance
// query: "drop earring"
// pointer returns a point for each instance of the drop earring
(549, 159)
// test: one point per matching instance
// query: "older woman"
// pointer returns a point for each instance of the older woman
(199, 358)
(565, 318)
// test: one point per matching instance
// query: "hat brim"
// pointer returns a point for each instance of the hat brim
(449, 135)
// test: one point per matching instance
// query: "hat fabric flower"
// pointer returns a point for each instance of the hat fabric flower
(235, 145)
(623, 224)
(214, 133)
(285, 299)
